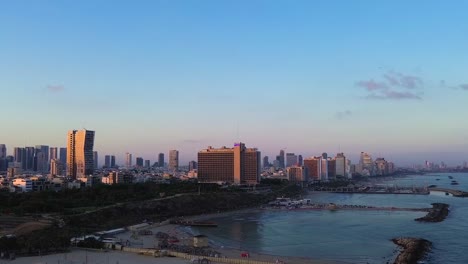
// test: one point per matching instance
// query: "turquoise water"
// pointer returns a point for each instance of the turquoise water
(352, 236)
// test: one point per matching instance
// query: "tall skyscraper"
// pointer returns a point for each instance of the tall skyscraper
(239, 165)
(291, 159)
(331, 169)
(42, 159)
(112, 161)
(366, 164)
(80, 160)
(19, 154)
(128, 160)
(95, 160)
(53, 153)
(266, 163)
(147, 163)
(300, 160)
(173, 159)
(281, 159)
(30, 158)
(3, 151)
(63, 155)
(107, 161)
(161, 160)
(340, 170)
(139, 162)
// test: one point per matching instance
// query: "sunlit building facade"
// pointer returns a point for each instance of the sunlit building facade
(80, 159)
(238, 165)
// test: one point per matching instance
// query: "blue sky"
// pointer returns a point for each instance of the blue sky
(386, 77)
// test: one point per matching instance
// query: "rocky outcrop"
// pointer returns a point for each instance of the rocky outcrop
(438, 213)
(414, 249)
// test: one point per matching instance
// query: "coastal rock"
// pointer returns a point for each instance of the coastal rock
(414, 249)
(437, 213)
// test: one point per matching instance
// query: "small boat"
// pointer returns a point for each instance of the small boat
(437, 179)
(446, 193)
(454, 183)
(432, 186)
(450, 177)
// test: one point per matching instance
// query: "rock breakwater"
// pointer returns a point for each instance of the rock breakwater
(414, 249)
(438, 213)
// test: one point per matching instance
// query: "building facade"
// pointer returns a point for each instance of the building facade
(128, 160)
(173, 159)
(238, 165)
(297, 174)
(161, 160)
(291, 159)
(80, 160)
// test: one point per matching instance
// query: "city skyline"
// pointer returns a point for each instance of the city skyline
(379, 77)
(121, 159)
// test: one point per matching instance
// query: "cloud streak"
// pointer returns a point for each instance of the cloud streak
(343, 114)
(55, 88)
(394, 95)
(393, 86)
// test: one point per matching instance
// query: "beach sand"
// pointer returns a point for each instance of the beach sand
(78, 256)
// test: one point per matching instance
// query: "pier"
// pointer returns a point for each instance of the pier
(456, 193)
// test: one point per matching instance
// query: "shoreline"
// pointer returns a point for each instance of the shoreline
(234, 252)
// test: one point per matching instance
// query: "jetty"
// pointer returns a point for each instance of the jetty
(456, 193)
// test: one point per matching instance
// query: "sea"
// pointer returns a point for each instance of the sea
(353, 236)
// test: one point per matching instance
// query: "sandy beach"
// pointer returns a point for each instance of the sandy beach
(132, 239)
(77, 256)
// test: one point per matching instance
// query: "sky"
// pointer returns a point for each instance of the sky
(384, 77)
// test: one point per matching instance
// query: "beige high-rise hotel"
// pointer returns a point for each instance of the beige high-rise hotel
(80, 161)
(239, 165)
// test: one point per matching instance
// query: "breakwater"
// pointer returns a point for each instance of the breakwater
(438, 213)
(414, 249)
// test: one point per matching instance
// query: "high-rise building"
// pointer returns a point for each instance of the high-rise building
(297, 174)
(340, 169)
(63, 155)
(95, 160)
(56, 167)
(291, 159)
(107, 161)
(30, 158)
(112, 161)
(128, 160)
(147, 163)
(324, 175)
(3, 151)
(19, 154)
(41, 159)
(266, 163)
(239, 165)
(161, 160)
(366, 164)
(80, 160)
(381, 167)
(281, 159)
(314, 168)
(173, 159)
(139, 162)
(53, 153)
(331, 169)
(300, 160)
(193, 165)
